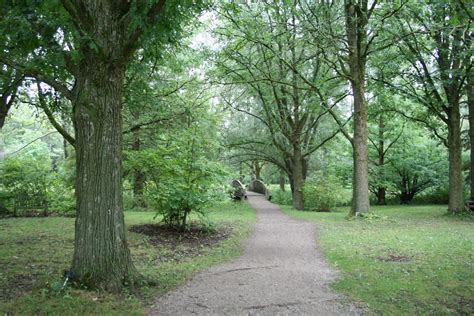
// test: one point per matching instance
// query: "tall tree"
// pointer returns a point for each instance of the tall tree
(350, 39)
(385, 130)
(434, 42)
(357, 16)
(94, 41)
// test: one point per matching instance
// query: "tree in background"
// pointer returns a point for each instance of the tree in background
(384, 132)
(276, 76)
(350, 33)
(433, 59)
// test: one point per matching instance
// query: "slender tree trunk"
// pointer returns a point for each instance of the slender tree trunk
(356, 22)
(101, 256)
(456, 196)
(470, 102)
(282, 181)
(65, 149)
(298, 178)
(381, 161)
(381, 196)
(292, 185)
(138, 175)
(138, 180)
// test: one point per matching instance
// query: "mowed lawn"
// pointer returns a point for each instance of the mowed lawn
(34, 252)
(407, 260)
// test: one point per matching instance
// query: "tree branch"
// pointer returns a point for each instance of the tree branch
(42, 104)
(31, 72)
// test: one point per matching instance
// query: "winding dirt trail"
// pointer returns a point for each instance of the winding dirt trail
(280, 273)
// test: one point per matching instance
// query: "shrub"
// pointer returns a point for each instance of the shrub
(282, 197)
(60, 191)
(181, 177)
(61, 197)
(322, 193)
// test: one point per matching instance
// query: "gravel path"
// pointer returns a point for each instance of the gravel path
(280, 273)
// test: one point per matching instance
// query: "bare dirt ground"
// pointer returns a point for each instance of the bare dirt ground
(281, 272)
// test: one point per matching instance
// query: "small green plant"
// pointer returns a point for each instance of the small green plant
(322, 192)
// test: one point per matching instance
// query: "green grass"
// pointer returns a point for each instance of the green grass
(35, 251)
(410, 260)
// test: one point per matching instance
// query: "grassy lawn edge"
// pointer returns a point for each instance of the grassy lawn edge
(39, 249)
(408, 260)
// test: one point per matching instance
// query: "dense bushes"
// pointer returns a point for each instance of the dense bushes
(322, 192)
(282, 197)
(31, 175)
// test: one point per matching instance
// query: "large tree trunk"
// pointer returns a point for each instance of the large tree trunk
(298, 178)
(360, 183)
(456, 196)
(101, 255)
(356, 22)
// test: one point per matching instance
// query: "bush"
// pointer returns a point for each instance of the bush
(322, 193)
(282, 197)
(60, 191)
(25, 175)
(182, 178)
(61, 197)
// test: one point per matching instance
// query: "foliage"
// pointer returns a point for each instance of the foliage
(322, 192)
(277, 76)
(183, 177)
(60, 191)
(26, 175)
(282, 197)
(415, 262)
(414, 164)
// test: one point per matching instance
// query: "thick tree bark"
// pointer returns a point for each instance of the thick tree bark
(101, 255)
(356, 22)
(298, 178)
(456, 196)
(360, 184)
